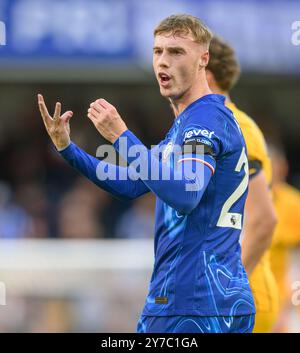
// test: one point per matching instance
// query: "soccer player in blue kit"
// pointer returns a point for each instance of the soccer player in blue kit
(198, 282)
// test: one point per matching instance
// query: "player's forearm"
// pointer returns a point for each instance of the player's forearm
(251, 255)
(125, 188)
(178, 191)
(260, 221)
(257, 238)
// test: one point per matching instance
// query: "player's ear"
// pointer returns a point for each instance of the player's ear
(204, 58)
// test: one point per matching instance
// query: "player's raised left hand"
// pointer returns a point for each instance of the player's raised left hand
(106, 120)
(58, 126)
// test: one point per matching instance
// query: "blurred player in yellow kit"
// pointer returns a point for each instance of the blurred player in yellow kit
(260, 218)
(287, 232)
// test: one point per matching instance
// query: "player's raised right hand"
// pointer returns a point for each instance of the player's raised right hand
(58, 126)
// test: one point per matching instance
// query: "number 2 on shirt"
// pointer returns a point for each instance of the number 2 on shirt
(231, 219)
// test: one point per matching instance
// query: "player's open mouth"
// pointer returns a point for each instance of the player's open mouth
(164, 79)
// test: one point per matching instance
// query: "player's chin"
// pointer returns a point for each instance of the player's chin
(166, 92)
(170, 94)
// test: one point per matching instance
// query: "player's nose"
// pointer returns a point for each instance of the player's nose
(163, 61)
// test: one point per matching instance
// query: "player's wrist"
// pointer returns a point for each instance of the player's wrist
(62, 147)
(115, 137)
(115, 142)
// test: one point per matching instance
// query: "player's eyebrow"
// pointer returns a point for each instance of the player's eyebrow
(171, 49)
(177, 49)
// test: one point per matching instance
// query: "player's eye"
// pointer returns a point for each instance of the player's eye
(157, 51)
(177, 52)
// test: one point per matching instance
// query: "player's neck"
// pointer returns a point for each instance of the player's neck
(227, 97)
(218, 90)
(180, 104)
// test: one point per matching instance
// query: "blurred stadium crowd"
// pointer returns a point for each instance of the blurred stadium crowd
(72, 208)
(42, 197)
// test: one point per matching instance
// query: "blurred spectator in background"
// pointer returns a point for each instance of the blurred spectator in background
(80, 210)
(287, 233)
(32, 198)
(15, 222)
(49, 315)
(138, 221)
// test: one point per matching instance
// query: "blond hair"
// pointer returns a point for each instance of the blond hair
(183, 24)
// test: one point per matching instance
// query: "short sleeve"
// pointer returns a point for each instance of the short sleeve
(201, 129)
(257, 150)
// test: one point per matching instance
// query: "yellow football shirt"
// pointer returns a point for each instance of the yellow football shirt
(286, 235)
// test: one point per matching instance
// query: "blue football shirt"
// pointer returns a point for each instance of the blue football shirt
(198, 268)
